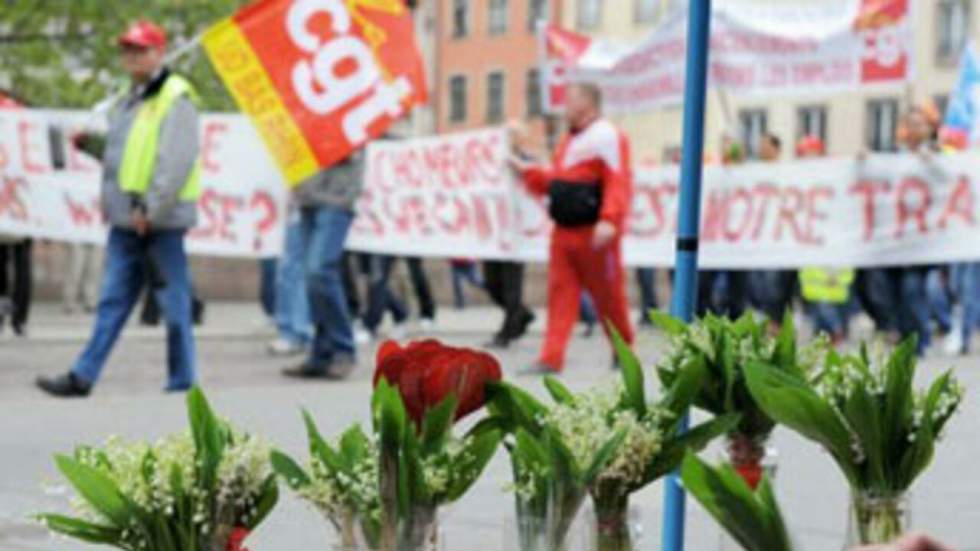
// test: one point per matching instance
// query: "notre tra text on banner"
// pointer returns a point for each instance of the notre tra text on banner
(319, 78)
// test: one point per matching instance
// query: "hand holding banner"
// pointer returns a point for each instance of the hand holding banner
(319, 78)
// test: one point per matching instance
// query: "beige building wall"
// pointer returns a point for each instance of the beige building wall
(657, 131)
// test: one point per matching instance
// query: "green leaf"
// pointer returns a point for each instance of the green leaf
(477, 455)
(632, 373)
(752, 519)
(864, 417)
(692, 441)
(790, 401)
(294, 475)
(559, 392)
(209, 437)
(899, 392)
(667, 323)
(268, 498)
(685, 387)
(438, 423)
(515, 407)
(82, 530)
(320, 449)
(355, 445)
(99, 491)
(391, 418)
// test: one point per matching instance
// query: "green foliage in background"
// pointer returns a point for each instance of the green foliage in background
(62, 53)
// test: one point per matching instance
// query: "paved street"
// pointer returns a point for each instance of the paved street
(244, 384)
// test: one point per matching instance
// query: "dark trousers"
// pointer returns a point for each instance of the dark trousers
(15, 280)
(722, 293)
(423, 293)
(381, 299)
(504, 282)
(350, 285)
(646, 281)
(267, 285)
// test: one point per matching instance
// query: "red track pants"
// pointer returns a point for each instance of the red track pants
(575, 264)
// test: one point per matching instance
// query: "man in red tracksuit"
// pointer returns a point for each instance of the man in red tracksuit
(589, 186)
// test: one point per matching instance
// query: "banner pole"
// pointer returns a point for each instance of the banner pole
(689, 220)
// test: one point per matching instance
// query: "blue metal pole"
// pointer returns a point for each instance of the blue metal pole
(689, 221)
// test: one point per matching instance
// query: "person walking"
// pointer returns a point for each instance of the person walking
(326, 202)
(150, 187)
(589, 186)
(292, 305)
(16, 283)
(504, 279)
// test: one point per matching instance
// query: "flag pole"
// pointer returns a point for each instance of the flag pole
(686, 263)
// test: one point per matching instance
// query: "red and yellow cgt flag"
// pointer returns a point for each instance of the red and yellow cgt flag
(319, 78)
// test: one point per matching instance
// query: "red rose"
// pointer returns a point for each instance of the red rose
(426, 372)
(237, 539)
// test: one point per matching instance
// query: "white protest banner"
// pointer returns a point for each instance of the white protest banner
(758, 48)
(452, 196)
(49, 190)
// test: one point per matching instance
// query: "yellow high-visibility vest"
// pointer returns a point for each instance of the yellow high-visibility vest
(140, 155)
(826, 285)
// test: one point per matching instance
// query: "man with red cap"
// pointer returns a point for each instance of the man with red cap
(150, 187)
(589, 189)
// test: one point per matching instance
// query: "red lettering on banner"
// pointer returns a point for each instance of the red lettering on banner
(790, 208)
(960, 204)
(81, 214)
(263, 202)
(12, 205)
(367, 219)
(918, 211)
(813, 214)
(765, 192)
(713, 216)
(24, 131)
(868, 191)
(743, 196)
(218, 213)
(482, 215)
(502, 204)
(210, 145)
(4, 156)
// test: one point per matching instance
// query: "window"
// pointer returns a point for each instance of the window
(953, 28)
(498, 16)
(881, 124)
(495, 97)
(533, 93)
(461, 18)
(589, 14)
(811, 120)
(537, 10)
(753, 123)
(457, 98)
(645, 11)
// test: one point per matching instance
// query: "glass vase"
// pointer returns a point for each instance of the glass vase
(614, 526)
(876, 519)
(356, 534)
(752, 458)
(535, 533)
(419, 530)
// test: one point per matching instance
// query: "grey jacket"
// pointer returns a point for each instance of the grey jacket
(338, 186)
(176, 154)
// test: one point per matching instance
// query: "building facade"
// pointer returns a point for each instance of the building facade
(849, 122)
(486, 63)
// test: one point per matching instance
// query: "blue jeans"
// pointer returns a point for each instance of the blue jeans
(267, 286)
(324, 231)
(586, 309)
(292, 301)
(914, 306)
(464, 271)
(966, 285)
(827, 317)
(939, 300)
(127, 255)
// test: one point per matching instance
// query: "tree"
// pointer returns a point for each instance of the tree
(62, 53)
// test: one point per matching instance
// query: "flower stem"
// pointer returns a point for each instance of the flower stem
(612, 528)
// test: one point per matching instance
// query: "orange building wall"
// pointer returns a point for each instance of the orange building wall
(478, 54)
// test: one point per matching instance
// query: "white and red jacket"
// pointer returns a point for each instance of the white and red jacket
(597, 155)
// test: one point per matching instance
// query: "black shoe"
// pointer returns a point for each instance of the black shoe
(64, 386)
(306, 370)
(527, 318)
